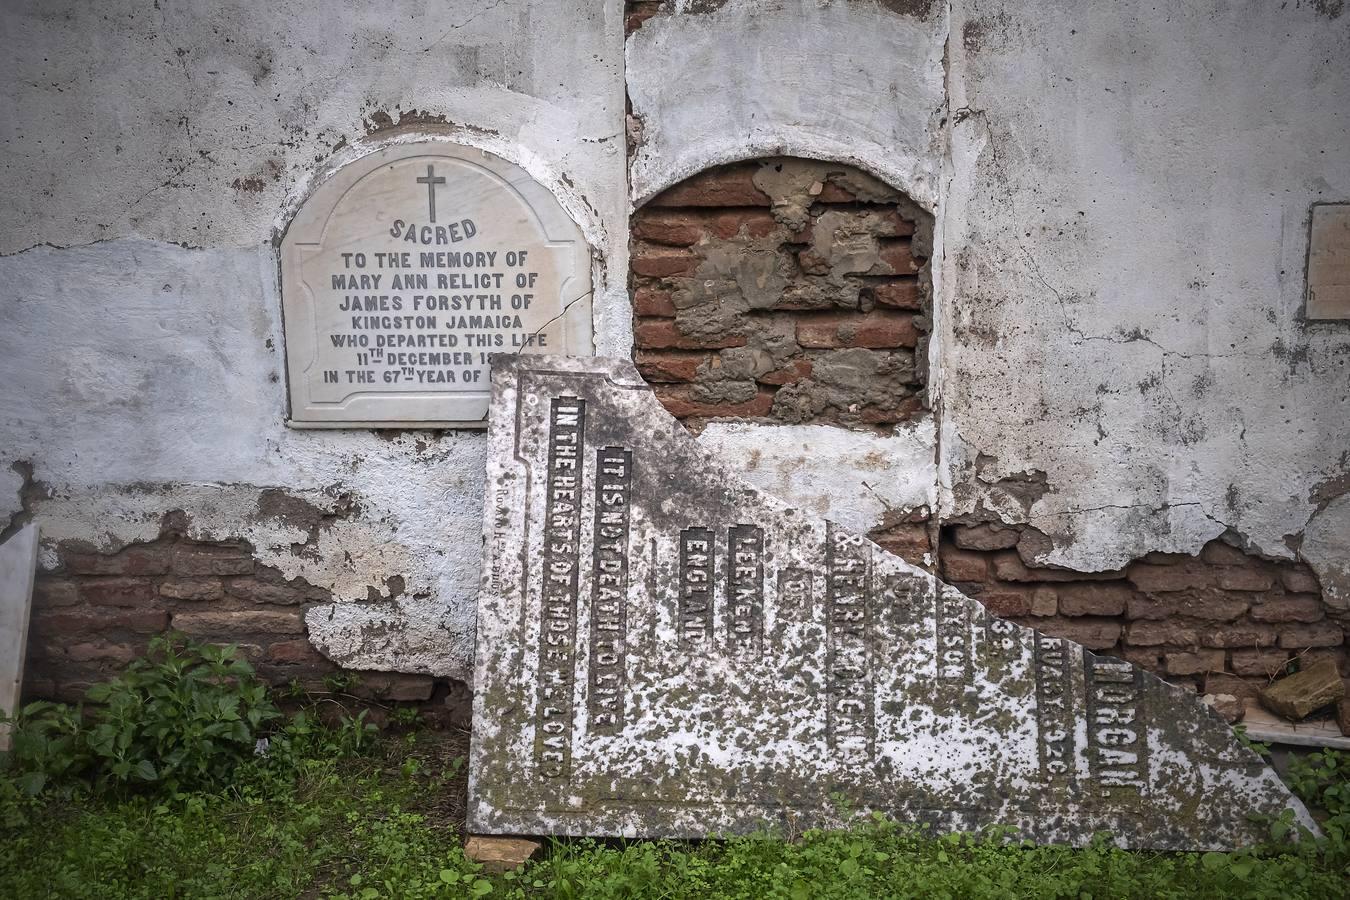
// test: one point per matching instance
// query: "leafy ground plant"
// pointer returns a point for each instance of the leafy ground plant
(353, 818)
(183, 716)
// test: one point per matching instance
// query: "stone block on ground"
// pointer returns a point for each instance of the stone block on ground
(1303, 692)
(665, 651)
(1231, 708)
(499, 854)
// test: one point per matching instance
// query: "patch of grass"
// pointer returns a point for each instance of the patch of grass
(186, 782)
(327, 821)
(337, 824)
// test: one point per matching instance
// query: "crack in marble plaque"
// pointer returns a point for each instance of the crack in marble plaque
(664, 650)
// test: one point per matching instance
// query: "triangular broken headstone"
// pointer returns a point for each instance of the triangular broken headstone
(664, 650)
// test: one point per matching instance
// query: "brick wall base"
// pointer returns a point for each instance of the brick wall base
(97, 612)
(1223, 621)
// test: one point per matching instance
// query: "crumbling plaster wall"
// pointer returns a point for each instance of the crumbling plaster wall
(153, 155)
(1125, 220)
(1122, 196)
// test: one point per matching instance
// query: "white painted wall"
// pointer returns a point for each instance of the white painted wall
(1122, 194)
(1126, 226)
(152, 156)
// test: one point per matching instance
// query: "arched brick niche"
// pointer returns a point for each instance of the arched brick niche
(783, 290)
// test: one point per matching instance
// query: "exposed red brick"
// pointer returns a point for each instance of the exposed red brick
(1220, 554)
(1095, 634)
(1163, 578)
(1151, 634)
(663, 262)
(651, 301)
(1262, 663)
(1337, 655)
(1007, 603)
(669, 366)
(874, 330)
(895, 258)
(723, 186)
(1044, 601)
(1300, 582)
(393, 686)
(140, 560)
(789, 374)
(294, 653)
(129, 592)
(1236, 579)
(833, 193)
(677, 229)
(680, 402)
(896, 412)
(1008, 566)
(1094, 599)
(722, 210)
(49, 592)
(191, 589)
(909, 541)
(1322, 634)
(1159, 558)
(99, 620)
(205, 559)
(1147, 658)
(1211, 605)
(662, 334)
(753, 223)
(962, 566)
(1238, 635)
(1223, 683)
(279, 593)
(639, 13)
(812, 263)
(897, 225)
(1194, 663)
(102, 651)
(1290, 608)
(985, 537)
(252, 621)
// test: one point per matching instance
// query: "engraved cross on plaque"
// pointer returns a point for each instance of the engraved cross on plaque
(431, 179)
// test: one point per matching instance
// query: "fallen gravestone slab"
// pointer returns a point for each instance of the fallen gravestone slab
(663, 650)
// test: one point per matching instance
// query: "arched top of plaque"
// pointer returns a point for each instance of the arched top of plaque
(407, 268)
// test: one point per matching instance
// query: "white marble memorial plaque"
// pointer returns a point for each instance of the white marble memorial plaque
(407, 268)
(663, 650)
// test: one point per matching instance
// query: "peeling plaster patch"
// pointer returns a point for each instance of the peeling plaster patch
(410, 636)
(849, 477)
(419, 557)
(920, 9)
(167, 402)
(848, 82)
(1332, 9)
(1326, 547)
